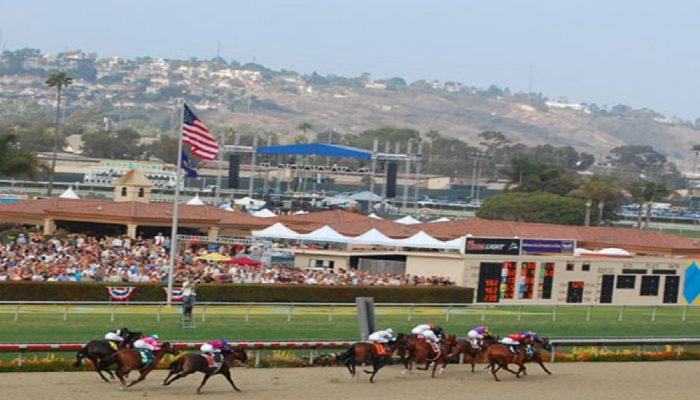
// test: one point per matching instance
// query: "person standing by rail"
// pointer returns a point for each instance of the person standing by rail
(189, 295)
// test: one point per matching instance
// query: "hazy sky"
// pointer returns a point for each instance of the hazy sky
(636, 52)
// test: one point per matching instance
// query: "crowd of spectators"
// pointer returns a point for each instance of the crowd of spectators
(89, 259)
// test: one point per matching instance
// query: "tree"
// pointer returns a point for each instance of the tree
(300, 139)
(38, 138)
(534, 176)
(122, 144)
(305, 126)
(15, 161)
(59, 80)
(602, 190)
(534, 207)
(696, 150)
(653, 191)
(164, 149)
(84, 120)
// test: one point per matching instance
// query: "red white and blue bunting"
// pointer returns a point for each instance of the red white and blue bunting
(177, 294)
(120, 293)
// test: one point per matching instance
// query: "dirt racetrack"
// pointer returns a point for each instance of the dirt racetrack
(620, 381)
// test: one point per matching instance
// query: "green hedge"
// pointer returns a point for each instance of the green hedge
(32, 291)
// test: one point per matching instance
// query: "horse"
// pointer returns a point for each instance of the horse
(421, 350)
(194, 362)
(98, 350)
(128, 360)
(500, 354)
(536, 355)
(471, 353)
(366, 353)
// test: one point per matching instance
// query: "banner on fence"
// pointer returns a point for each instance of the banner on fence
(499, 246)
(120, 293)
(177, 294)
(548, 246)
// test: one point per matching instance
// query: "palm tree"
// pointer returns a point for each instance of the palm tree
(305, 126)
(696, 149)
(15, 161)
(652, 192)
(601, 190)
(59, 80)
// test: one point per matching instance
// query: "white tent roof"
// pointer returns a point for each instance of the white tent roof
(613, 251)
(249, 203)
(408, 220)
(195, 201)
(424, 241)
(454, 244)
(581, 251)
(375, 216)
(325, 234)
(228, 208)
(373, 236)
(277, 231)
(366, 196)
(264, 213)
(442, 219)
(69, 194)
(301, 212)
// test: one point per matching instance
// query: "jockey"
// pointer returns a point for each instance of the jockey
(419, 329)
(383, 337)
(476, 335)
(513, 341)
(149, 343)
(214, 349)
(114, 337)
(534, 336)
(433, 335)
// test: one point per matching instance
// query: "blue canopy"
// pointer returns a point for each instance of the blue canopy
(317, 149)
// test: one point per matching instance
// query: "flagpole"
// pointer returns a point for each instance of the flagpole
(173, 232)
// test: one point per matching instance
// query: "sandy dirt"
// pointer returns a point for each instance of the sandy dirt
(620, 381)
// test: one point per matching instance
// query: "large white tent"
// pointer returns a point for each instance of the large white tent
(69, 194)
(249, 203)
(454, 244)
(264, 213)
(442, 219)
(277, 231)
(366, 196)
(195, 201)
(422, 240)
(375, 237)
(408, 220)
(325, 234)
(375, 216)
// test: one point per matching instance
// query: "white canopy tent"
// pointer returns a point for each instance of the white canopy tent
(277, 231)
(408, 220)
(442, 219)
(264, 213)
(375, 216)
(325, 234)
(423, 241)
(69, 194)
(195, 201)
(375, 237)
(454, 244)
(249, 203)
(366, 196)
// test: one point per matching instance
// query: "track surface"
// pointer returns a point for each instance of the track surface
(619, 381)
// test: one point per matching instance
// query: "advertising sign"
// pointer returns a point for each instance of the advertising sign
(494, 246)
(548, 246)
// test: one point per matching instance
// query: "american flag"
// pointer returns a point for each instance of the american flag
(197, 135)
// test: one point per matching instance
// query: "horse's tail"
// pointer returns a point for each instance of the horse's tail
(79, 356)
(348, 354)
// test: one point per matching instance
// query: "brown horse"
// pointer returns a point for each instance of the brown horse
(500, 355)
(536, 355)
(471, 353)
(97, 350)
(421, 350)
(366, 353)
(193, 362)
(128, 360)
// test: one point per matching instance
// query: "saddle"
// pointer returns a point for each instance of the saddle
(380, 349)
(213, 360)
(146, 357)
(435, 347)
(113, 345)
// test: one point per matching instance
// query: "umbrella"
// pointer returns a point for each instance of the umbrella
(243, 261)
(214, 256)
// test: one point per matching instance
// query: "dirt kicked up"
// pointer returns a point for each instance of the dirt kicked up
(620, 381)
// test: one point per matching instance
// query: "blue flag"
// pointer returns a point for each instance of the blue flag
(189, 166)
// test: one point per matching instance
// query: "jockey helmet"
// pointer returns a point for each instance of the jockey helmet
(390, 330)
(154, 336)
(224, 342)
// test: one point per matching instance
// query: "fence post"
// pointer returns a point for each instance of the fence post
(330, 313)
(588, 313)
(160, 306)
(554, 313)
(311, 357)
(289, 313)
(111, 317)
(684, 317)
(639, 350)
(520, 313)
(204, 313)
(483, 314)
(461, 358)
(410, 313)
(247, 312)
(653, 314)
(20, 358)
(65, 313)
(257, 358)
(17, 312)
(622, 312)
(447, 313)
(552, 356)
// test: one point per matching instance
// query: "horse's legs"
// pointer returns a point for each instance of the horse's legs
(201, 385)
(99, 368)
(539, 361)
(376, 366)
(492, 364)
(141, 377)
(227, 374)
(175, 376)
(120, 374)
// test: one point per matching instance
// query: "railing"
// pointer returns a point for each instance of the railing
(313, 346)
(445, 311)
